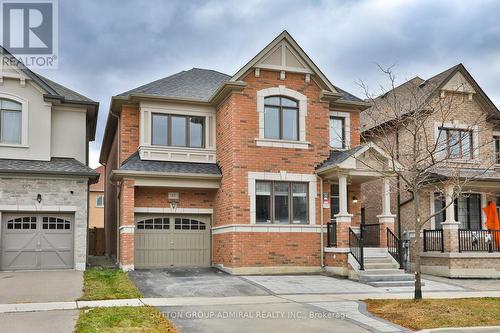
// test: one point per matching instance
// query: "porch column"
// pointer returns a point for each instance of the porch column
(450, 226)
(386, 219)
(343, 218)
(127, 225)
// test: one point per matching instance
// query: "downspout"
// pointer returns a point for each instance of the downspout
(322, 250)
(398, 187)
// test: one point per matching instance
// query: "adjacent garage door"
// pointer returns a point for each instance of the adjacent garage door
(36, 242)
(172, 241)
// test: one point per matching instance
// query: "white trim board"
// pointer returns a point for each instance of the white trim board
(169, 210)
(267, 228)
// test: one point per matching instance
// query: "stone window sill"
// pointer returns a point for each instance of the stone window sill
(282, 143)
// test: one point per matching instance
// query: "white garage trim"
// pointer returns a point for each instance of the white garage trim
(169, 210)
(37, 208)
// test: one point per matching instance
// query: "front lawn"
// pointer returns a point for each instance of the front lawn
(99, 284)
(123, 319)
(436, 313)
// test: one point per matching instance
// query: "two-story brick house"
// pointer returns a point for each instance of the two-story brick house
(239, 172)
(45, 130)
(463, 130)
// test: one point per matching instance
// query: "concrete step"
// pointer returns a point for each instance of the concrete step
(389, 284)
(378, 260)
(390, 271)
(381, 265)
(368, 277)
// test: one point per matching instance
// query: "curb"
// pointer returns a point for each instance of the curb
(473, 329)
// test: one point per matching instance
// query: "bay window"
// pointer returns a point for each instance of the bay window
(281, 118)
(10, 122)
(281, 202)
(177, 130)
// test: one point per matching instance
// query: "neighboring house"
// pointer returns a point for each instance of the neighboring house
(96, 201)
(45, 130)
(470, 133)
(239, 172)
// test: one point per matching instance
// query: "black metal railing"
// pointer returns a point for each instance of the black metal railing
(356, 248)
(331, 234)
(395, 247)
(479, 240)
(433, 240)
(370, 233)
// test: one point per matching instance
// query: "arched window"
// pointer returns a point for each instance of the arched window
(281, 118)
(10, 121)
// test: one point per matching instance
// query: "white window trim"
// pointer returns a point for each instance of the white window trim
(288, 177)
(282, 91)
(461, 126)
(495, 134)
(347, 130)
(24, 120)
(96, 201)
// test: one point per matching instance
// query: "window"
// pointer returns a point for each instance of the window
(99, 201)
(456, 143)
(10, 121)
(53, 223)
(467, 211)
(337, 132)
(22, 223)
(189, 224)
(154, 224)
(281, 118)
(177, 130)
(496, 147)
(281, 202)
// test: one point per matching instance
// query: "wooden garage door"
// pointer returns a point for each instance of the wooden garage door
(37, 242)
(172, 241)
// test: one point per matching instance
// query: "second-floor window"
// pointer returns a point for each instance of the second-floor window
(455, 143)
(337, 132)
(496, 147)
(281, 118)
(10, 122)
(99, 201)
(177, 130)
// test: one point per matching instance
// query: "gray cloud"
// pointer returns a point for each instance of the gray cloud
(107, 47)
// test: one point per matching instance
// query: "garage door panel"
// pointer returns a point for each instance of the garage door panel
(37, 242)
(179, 241)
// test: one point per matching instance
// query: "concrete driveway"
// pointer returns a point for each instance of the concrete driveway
(38, 287)
(193, 282)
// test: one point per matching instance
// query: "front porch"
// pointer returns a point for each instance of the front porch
(355, 247)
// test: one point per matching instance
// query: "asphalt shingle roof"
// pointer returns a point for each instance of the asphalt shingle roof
(195, 83)
(409, 96)
(68, 94)
(134, 163)
(56, 166)
(347, 96)
(337, 157)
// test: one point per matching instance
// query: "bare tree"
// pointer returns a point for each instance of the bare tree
(410, 123)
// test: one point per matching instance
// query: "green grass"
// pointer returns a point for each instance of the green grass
(99, 284)
(437, 313)
(123, 319)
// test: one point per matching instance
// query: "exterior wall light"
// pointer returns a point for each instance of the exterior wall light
(39, 198)
(354, 199)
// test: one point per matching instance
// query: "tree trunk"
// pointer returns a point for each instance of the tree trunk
(418, 246)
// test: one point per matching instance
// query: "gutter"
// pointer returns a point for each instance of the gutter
(322, 249)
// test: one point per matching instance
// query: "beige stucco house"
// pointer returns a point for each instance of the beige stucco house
(45, 130)
(96, 201)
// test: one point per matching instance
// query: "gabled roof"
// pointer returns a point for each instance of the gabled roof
(413, 92)
(338, 156)
(295, 48)
(196, 83)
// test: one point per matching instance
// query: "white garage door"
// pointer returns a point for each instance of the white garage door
(37, 242)
(172, 241)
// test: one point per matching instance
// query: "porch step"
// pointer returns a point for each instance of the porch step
(380, 265)
(390, 271)
(389, 284)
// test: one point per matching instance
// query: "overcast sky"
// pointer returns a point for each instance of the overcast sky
(110, 46)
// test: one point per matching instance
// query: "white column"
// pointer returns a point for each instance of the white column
(386, 197)
(450, 210)
(343, 195)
